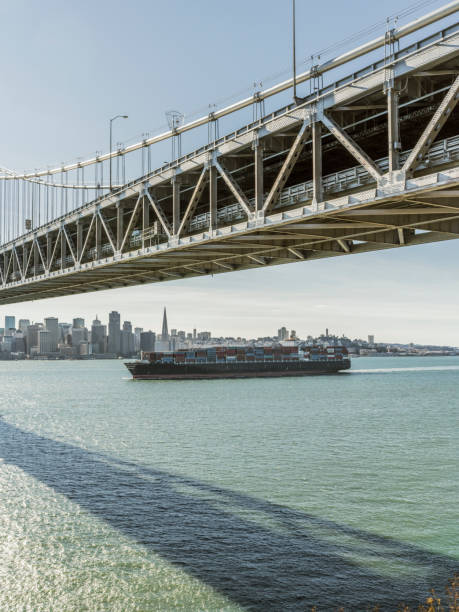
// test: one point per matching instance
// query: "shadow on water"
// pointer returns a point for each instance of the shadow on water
(261, 555)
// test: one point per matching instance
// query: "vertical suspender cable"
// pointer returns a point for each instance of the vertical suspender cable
(294, 49)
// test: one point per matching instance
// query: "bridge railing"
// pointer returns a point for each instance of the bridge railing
(441, 153)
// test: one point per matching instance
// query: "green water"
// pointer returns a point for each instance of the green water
(227, 495)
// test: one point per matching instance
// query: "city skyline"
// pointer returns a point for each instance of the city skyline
(160, 329)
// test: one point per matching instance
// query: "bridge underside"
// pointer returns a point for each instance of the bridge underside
(369, 163)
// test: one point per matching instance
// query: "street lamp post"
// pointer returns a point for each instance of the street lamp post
(111, 122)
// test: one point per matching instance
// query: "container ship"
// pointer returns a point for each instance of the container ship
(240, 362)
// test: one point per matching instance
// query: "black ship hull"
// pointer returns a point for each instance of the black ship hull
(242, 369)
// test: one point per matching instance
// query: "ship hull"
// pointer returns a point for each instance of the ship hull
(169, 371)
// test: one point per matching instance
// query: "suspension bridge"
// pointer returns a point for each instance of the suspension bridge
(367, 159)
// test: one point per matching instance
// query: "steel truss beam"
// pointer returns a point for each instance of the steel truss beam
(287, 166)
(433, 128)
(234, 188)
(352, 147)
(159, 213)
(194, 200)
(108, 231)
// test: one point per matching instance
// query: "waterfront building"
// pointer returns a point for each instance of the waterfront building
(282, 333)
(23, 325)
(10, 323)
(371, 339)
(137, 332)
(79, 336)
(98, 337)
(45, 342)
(52, 325)
(6, 344)
(32, 337)
(66, 351)
(65, 333)
(19, 343)
(127, 340)
(83, 349)
(147, 341)
(114, 333)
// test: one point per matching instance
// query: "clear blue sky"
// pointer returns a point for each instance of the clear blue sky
(68, 67)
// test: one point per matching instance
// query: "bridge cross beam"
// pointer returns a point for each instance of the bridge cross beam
(79, 239)
(36, 257)
(119, 225)
(393, 129)
(7, 264)
(63, 247)
(98, 234)
(175, 181)
(318, 194)
(25, 257)
(258, 153)
(145, 220)
(49, 250)
(212, 196)
(2, 264)
(16, 265)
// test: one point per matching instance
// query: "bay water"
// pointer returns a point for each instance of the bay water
(258, 494)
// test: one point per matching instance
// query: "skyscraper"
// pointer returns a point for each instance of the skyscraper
(282, 333)
(98, 337)
(78, 323)
(45, 341)
(19, 344)
(114, 332)
(52, 325)
(65, 333)
(162, 343)
(165, 330)
(32, 337)
(127, 340)
(137, 332)
(147, 341)
(23, 324)
(10, 323)
(79, 337)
